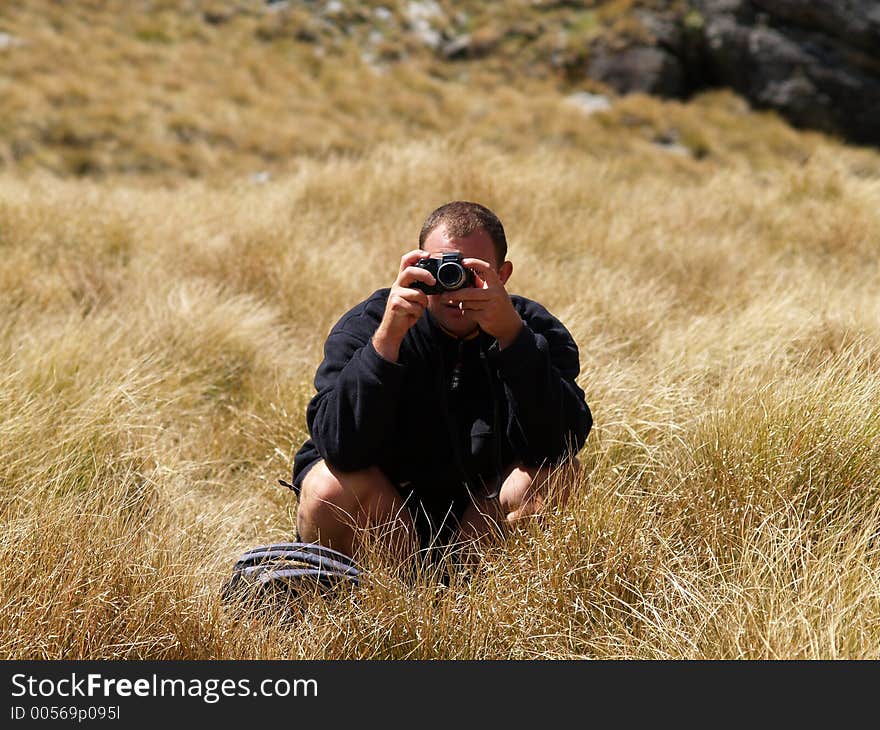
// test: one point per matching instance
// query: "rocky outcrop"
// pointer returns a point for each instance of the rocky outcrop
(815, 61)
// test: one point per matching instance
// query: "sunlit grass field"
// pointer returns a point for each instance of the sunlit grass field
(164, 301)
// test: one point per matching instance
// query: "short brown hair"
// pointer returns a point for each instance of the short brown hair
(461, 219)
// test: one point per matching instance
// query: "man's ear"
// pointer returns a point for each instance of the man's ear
(504, 271)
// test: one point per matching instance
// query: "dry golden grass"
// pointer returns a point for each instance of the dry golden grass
(158, 337)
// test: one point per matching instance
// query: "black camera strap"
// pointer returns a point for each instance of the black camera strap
(445, 391)
(457, 369)
(454, 388)
(496, 418)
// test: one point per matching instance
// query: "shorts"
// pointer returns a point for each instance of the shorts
(436, 517)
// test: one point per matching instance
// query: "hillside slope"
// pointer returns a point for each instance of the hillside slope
(244, 88)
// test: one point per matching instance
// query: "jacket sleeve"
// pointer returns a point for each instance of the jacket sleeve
(357, 396)
(538, 370)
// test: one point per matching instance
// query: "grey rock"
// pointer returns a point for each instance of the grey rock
(589, 103)
(467, 46)
(815, 61)
(419, 15)
(8, 41)
(665, 29)
(856, 22)
(458, 48)
(674, 148)
(646, 69)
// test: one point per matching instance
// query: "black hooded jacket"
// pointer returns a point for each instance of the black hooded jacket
(450, 414)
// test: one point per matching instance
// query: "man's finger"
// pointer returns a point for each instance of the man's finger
(413, 295)
(404, 306)
(414, 273)
(408, 259)
(484, 271)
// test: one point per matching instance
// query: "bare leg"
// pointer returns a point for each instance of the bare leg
(335, 507)
(525, 492)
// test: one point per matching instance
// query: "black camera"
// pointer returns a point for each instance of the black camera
(448, 273)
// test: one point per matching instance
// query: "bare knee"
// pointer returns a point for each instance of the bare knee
(333, 502)
(335, 508)
(527, 491)
(323, 502)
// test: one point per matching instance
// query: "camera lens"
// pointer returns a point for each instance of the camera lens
(451, 275)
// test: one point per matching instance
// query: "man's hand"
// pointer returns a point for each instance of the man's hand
(404, 306)
(488, 303)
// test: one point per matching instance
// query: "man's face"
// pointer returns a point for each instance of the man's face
(477, 245)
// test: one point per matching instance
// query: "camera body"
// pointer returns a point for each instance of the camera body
(448, 272)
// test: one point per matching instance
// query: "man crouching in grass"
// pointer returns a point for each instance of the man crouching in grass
(443, 404)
